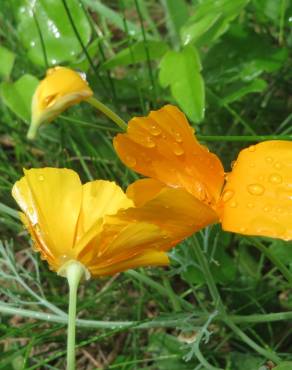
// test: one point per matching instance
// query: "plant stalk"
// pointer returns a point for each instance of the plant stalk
(108, 112)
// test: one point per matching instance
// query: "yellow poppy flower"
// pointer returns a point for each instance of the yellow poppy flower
(256, 198)
(87, 223)
(61, 88)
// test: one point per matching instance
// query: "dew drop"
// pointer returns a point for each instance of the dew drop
(227, 195)
(233, 204)
(275, 178)
(130, 161)
(63, 258)
(251, 165)
(177, 137)
(155, 130)
(41, 178)
(252, 148)
(278, 165)
(147, 142)
(267, 209)
(177, 149)
(269, 159)
(30, 210)
(250, 205)
(255, 189)
(242, 229)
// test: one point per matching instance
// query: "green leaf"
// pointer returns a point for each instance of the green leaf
(18, 95)
(176, 15)
(115, 18)
(286, 365)
(60, 42)
(240, 90)
(7, 58)
(181, 71)
(137, 53)
(241, 361)
(211, 20)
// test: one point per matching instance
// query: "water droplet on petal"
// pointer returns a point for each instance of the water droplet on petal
(177, 149)
(278, 165)
(255, 189)
(177, 137)
(227, 195)
(30, 210)
(130, 161)
(63, 258)
(233, 204)
(242, 229)
(250, 205)
(267, 209)
(269, 159)
(252, 148)
(41, 178)
(155, 130)
(275, 178)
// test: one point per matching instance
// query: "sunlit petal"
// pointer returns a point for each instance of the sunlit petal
(257, 199)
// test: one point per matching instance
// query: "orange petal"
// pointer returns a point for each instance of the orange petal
(257, 199)
(163, 146)
(143, 190)
(147, 258)
(174, 210)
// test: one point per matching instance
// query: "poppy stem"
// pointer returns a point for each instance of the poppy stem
(73, 271)
(108, 112)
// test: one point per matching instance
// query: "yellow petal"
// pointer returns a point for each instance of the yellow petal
(163, 146)
(174, 210)
(144, 190)
(51, 200)
(257, 199)
(100, 198)
(147, 258)
(61, 88)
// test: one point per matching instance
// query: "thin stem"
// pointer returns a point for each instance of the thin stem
(7, 309)
(73, 270)
(222, 312)
(266, 251)
(108, 112)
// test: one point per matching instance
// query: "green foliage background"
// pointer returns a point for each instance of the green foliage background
(226, 63)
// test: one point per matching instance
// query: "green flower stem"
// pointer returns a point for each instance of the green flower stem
(73, 271)
(220, 306)
(267, 252)
(108, 112)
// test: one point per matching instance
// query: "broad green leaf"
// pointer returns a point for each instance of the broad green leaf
(181, 71)
(241, 361)
(240, 90)
(17, 96)
(286, 365)
(60, 42)
(7, 58)
(137, 53)
(211, 20)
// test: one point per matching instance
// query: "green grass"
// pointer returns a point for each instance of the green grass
(225, 301)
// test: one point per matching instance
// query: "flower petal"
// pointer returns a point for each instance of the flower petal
(147, 258)
(174, 210)
(163, 146)
(257, 199)
(51, 200)
(143, 190)
(100, 198)
(61, 88)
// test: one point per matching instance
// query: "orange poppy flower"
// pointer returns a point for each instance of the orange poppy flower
(87, 223)
(255, 199)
